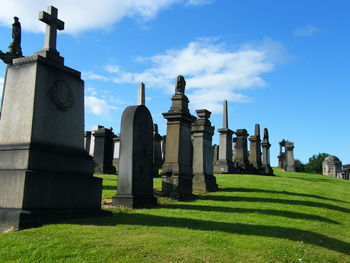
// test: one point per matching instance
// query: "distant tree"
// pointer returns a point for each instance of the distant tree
(315, 163)
(299, 166)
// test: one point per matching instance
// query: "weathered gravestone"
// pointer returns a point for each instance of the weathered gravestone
(177, 168)
(135, 179)
(224, 164)
(255, 151)
(242, 164)
(157, 151)
(265, 145)
(45, 173)
(202, 133)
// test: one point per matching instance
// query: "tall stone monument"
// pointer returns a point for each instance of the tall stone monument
(177, 168)
(141, 94)
(103, 150)
(135, 179)
(157, 151)
(45, 173)
(255, 151)
(265, 145)
(202, 133)
(242, 164)
(225, 165)
(290, 156)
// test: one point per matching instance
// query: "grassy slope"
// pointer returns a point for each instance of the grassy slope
(293, 217)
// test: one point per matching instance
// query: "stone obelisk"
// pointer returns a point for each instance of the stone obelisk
(141, 94)
(265, 145)
(224, 164)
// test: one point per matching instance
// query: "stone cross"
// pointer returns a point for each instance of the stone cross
(225, 116)
(141, 94)
(52, 25)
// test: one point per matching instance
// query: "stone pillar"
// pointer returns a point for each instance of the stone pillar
(177, 168)
(103, 151)
(255, 150)
(241, 160)
(157, 151)
(87, 141)
(290, 156)
(266, 154)
(202, 133)
(135, 179)
(141, 94)
(282, 163)
(163, 146)
(215, 153)
(225, 165)
(45, 173)
(92, 142)
(116, 150)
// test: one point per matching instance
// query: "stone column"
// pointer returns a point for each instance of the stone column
(255, 150)
(103, 151)
(241, 160)
(225, 165)
(116, 149)
(266, 154)
(141, 94)
(290, 156)
(177, 168)
(202, 133)
(215, 153)
(157, 151)
(282, 156)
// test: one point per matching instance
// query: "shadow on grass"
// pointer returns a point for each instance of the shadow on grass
(252, 190)
(221, 198)
(318, 180)
(288, 233)
(109, 187)
(288, 214)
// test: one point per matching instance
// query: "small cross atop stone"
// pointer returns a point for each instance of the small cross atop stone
(52, 25)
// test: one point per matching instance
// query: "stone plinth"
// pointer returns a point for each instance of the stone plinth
(241, 159)
(202, 132)
(103, 151)
(290, 156)
(177, 168)
(43, 162)
(135, 178)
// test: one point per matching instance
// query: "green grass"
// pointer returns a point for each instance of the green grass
(292, 217)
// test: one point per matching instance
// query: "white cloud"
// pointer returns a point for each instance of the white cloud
(213, 71)
(80, 15)
(306, 31)
(93, 76)
(98, 106)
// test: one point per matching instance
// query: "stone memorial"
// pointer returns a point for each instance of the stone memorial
(163, 147)
(202, 133)
(87, 141)
(116, 150)
(157, 151)
(103, 150)
(255, 151)
(45, 173)
(242, 164)
(286, 157)
(224, 164)
(265, 145)
(141, 94)
(331, 166)
(135, 179)
(215, 153)
(177, 168)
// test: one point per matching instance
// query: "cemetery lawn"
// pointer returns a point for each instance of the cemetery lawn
(293, 217)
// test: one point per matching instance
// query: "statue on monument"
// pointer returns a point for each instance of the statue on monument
(15, 50)
(180, 85)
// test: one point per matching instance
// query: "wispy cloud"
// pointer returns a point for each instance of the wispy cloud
(81, 15)
(213, 71)
(306, 31)
(98, 106)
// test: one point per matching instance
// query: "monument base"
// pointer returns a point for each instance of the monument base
(12, 219)
(268, 170)
(204, 183)
(178, 187)
(223, 167)
(130, 201)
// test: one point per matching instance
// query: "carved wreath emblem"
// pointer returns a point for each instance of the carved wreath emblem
(61, 95)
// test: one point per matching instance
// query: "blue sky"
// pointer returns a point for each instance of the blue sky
(283, 64)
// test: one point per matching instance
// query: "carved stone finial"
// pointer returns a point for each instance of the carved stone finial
(266, 134)
(180, 85)
(15, 50)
